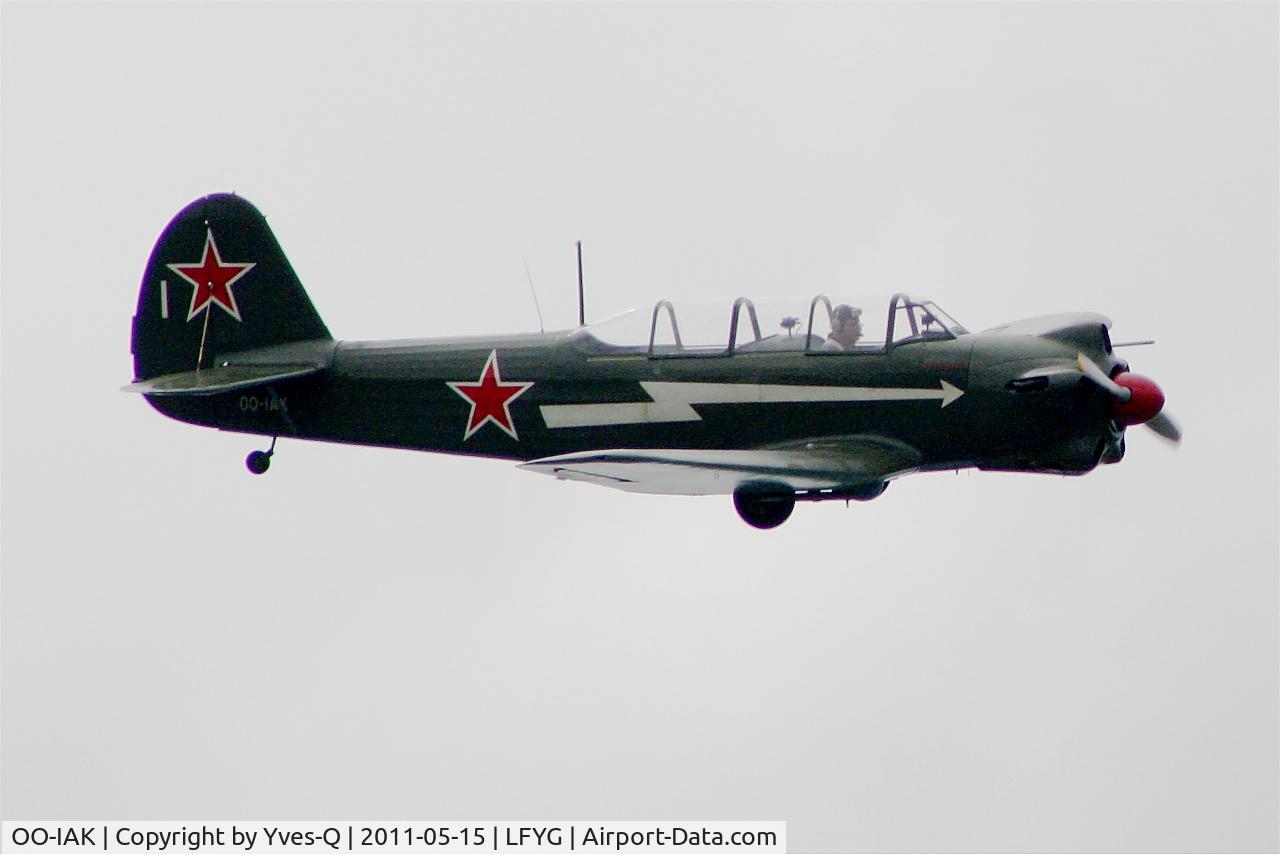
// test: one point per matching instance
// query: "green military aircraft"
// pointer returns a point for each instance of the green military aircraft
(772, 404)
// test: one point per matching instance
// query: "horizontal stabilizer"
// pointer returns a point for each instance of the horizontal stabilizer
(226, 378)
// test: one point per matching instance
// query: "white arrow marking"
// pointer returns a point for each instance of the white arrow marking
(671, 401)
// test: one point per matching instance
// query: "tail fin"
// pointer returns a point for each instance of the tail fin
(217, 283)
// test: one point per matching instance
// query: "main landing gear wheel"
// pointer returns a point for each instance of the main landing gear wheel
(763, 507)
(258, 462)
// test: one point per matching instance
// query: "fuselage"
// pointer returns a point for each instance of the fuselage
(576, 393)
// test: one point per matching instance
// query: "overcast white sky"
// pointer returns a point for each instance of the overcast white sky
(972, 662)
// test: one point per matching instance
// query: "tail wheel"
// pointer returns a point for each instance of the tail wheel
(258, 462)
(763, 508)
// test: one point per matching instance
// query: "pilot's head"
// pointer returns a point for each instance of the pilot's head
(846, 324)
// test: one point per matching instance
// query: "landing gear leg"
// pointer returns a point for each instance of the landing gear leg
(259, 462)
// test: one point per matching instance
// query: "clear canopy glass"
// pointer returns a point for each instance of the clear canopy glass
(691, 329)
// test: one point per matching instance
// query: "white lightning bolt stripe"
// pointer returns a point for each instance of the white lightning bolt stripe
(671, 401)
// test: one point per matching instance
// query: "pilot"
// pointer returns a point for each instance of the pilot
(846, 328)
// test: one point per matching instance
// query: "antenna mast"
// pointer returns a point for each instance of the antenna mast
(582, 310)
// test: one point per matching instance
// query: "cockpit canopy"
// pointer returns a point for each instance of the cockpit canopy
(694, 329)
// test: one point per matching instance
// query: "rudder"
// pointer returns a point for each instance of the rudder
(217, 283)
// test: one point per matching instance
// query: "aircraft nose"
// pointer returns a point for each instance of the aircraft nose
(1135, 399)
(1144, 403)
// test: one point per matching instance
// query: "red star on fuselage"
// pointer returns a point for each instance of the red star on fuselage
(490, 399)
(212, 278)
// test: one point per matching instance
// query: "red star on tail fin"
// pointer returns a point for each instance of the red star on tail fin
(212, 278)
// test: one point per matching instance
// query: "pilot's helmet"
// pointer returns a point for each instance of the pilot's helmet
(845, 312)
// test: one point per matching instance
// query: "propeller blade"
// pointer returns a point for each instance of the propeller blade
(1091, 370)
(1166, 427)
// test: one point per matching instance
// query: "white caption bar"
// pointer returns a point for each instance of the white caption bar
(387, 836)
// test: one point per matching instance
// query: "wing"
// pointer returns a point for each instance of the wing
(831, 463)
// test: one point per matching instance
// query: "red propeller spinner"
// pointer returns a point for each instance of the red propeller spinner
(1145, 399)
(1135, 400)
